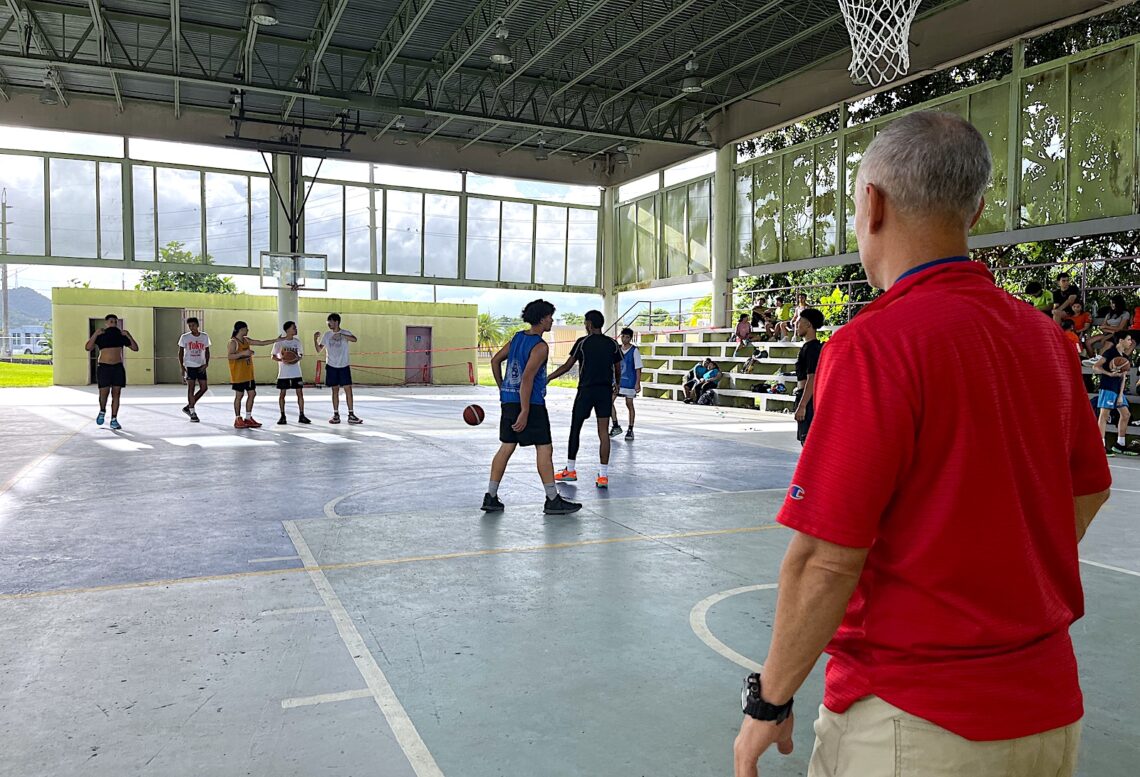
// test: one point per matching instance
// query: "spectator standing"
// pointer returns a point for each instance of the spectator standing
(806, 364)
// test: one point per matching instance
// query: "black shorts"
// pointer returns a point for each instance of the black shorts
(195, 373)
(290, 383)
(537, 431)
(596, 399)
(111, 375)
(247, 385)
(338, 376)
(803, 426)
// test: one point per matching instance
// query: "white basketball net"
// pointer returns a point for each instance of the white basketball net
(879, 31)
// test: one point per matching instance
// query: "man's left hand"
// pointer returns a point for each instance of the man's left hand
(801, 412)
(754, 738)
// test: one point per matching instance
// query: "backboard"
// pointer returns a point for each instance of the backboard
(301, 271)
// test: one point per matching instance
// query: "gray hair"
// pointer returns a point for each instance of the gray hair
(930, 163)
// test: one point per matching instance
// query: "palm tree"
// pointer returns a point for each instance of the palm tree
(490, 333)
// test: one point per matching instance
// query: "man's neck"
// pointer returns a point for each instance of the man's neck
(535, 330)
(917, 247)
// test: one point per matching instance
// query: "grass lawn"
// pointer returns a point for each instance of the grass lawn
(487, 379)
(24, 375)
(21, 356)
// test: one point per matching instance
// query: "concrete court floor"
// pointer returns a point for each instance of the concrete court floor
(181, 599)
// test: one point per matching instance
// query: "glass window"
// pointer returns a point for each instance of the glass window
(482, 239)
(335, 169)
(958, 107)
(743, 255)
(550, 245)
(700, 220)
(1043, 145)
(196, 154)
(110, 210)
(673, 223)
(23, 178)
(857, 143)
(180, 209)
(989, 112)
(627, 245)
(799, 172)
(441, 236)
(1102, 123)
(42, 140)
(418, 177)
(324, 223)
(518, 242)
(638, 187)
(697, 167)
(260, 195)
(74, 223)
(647, 239)
(227, 219)
(357, 229)
(582, 248)
(144, 215)
(766, 203)
(533, 190)
(404, 233)
(824, 204)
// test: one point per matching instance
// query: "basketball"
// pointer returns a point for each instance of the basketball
(1120, 364)
(289, 357)
(473, 415)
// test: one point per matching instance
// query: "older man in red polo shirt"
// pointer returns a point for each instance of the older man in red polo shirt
(936, 517)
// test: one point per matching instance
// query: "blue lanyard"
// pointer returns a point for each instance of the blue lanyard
(935, 263)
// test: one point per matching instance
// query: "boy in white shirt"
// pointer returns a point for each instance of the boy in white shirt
(287, 352)
(193, 358)
(337, 372)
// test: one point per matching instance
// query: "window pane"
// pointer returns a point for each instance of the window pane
(647, 239)
(857, 143)
(227, 219)
(1103, 123)
(627, 245)
(419, 177)
(989, 112)
(324, 223)
(550, 245)
(957, 107)
(482, 239)
(1043, 149)
(638, 187)
(193, 153)
(824, 206)
(441, 239)
(799, 170)
(404, 230)
(35, 139)
(357, 229)
(335, 169)
(743, 255)
(700, 218)
(180, 209)
(73, 219)
(110, 210)
(696, 167)
(673, 234)
(766, 200)
(143, 194)
(582, 248)
(518, 242)
(532, 190)
(260, 202)
(23, 177)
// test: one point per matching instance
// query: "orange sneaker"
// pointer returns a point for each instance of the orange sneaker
(251, 424)
(602, 482)
(239, 423)
(566, 476)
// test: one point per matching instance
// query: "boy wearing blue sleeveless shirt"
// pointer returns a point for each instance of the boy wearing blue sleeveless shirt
(630, 384)
(524, 421)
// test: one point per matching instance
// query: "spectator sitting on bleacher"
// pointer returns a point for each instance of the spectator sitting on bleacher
(763, 322)
(1064, 296)
(1117, 319)
(1082, 323)
(786, 329)
(700, 379)
(1111, 396)
(783, 313)
(743, 334)
(1039, 298)
(1070, 334)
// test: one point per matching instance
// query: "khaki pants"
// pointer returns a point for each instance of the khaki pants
(876, 739)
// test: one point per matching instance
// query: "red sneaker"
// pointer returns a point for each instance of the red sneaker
(251, 424)
(239, 423)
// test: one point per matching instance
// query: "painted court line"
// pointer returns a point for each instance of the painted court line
(327, 438)
(271, 559)
(217, 441)
(698, 622)
(1110, 568)
(402, 727)
(325, 698)
(24, 470)
(292, 611)
(381, 435)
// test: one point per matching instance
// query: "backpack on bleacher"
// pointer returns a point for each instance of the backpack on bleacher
(707, 398)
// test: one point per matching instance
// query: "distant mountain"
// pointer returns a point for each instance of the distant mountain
(29, 307)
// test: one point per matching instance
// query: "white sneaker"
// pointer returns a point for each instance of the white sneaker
(1091, 362)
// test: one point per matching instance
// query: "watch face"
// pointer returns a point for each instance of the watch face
(744, 697)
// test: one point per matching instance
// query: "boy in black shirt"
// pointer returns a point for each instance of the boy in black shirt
(1111, 396)
(110, 374)
(806, 363)
(599, 373)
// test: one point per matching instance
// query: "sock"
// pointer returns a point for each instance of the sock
(551, 490)
(570, 465)
(493, 487)
(604, 470)
(249, 415)
(1121, 441)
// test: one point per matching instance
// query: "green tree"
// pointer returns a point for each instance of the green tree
(490, 334)
(165, 280)
(573, 319)
(658, 317)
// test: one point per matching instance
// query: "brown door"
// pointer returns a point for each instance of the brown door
(417, 360)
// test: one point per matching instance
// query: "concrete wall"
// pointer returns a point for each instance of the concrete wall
(378, 357)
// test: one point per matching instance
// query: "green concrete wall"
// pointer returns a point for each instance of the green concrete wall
(378, 357)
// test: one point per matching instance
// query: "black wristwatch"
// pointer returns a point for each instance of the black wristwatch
(755, 707)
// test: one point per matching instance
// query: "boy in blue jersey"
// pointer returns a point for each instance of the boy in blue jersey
(524, 421)
(630, 384)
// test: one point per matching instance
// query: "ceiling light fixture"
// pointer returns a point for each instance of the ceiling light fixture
(691, 84)
(400, 138)
(621, 156)
(49, 95)
(501, 50)
(703, 138)
(264, 14)
(541, 154)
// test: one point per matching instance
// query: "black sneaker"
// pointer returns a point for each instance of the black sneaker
(629, 435)
(1110, 450)
(193, 416)
(615, 430)
(560, 506)
(1126, 450)
(491, 504)
(281, 421)
(303, 419)
(352, 419)
(187, 410)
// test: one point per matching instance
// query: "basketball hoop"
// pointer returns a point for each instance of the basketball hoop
(880, 38)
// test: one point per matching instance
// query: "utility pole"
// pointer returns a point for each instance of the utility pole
(7, 349)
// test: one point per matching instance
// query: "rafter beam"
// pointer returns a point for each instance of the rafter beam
(96, 9)
(478, 28)
(432, 134)
(479, 137)
(563, 33)
(327, 20)
(29, 28)
(175, 53)
(399, 30)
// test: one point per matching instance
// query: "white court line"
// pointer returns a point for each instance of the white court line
(698, 622)
(1110, 568)
(217, 441)
(402, 727)
(324, 698)
(381, 435)
(1125, 490)
(271, 559)
(712, 488)
(327, 438)
(292, 611)
(1121, 466)
(743, 428)
(123, 445)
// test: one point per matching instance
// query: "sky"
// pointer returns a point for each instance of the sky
(86, 221)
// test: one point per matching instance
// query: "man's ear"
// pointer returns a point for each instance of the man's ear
(875, 202)
(978, 213)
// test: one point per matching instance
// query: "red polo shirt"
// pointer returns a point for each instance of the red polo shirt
(953, 450)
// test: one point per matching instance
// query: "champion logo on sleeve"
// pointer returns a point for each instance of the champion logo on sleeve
(796, 492)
